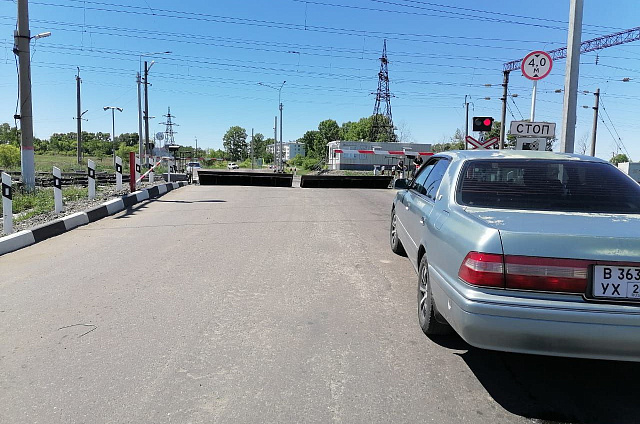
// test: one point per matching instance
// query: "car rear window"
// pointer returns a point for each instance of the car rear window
(550, 185)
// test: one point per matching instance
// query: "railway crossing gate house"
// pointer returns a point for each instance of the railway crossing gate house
(364, 155)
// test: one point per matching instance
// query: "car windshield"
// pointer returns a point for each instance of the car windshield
(550, 185)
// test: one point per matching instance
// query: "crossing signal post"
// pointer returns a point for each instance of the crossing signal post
(482, 123)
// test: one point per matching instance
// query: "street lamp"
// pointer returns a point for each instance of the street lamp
(280, 164)
(113, 129)
(139, 81)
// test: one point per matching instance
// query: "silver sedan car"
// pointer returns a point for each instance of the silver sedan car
(532, 252)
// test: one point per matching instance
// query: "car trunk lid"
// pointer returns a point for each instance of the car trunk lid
(592, 236)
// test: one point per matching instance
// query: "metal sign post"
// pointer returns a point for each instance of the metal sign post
(57, 190)
(535, 66)
(118, 173)
(132, 172)
(7, 204)
(91, 177)
(137, 168)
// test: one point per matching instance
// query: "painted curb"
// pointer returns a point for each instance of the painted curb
(56, 227)
(16, 241)
(114, 206)
(75, 220)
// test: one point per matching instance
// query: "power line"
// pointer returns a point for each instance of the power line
(614, 127)
(134, 10)
(484, 12)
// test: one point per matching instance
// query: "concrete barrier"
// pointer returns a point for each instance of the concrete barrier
(338, 181)
(264, 179)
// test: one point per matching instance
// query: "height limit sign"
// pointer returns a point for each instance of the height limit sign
(536, 65)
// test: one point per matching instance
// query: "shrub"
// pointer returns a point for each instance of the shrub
(309, 163)
(9, 156)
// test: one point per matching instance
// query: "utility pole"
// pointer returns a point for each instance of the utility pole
(275, 143)
(503, 116)
(146, 111)
(571, 77)
(140, 148)
(252, 149)
(466, 122)
(197, 149)
(22, 38)
(595, 123)
(281, 145)
(79, 118)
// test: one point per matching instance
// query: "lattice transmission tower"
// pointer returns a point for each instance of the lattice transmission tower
(169, 132)
(382, 122)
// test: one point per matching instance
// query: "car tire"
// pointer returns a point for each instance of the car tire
(426, 310)
(396, 244)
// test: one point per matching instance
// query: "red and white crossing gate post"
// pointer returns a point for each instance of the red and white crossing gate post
(486, 144)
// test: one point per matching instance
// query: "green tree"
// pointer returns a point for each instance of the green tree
(129, 139)
(235, 143)
(124, 150)
(329, 130)
(456, 142)
(311, 140)
(9, 156)
(356, 131)
(619, 158)
(9, 135)
(259, 146)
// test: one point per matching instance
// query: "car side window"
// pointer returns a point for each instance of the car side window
(434, 179)
(418, 183)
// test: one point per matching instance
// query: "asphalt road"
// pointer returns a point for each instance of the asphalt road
(258, 304)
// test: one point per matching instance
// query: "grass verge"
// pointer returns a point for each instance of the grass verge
(41, 201)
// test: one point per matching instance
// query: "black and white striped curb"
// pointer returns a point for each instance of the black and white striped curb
(51, 229)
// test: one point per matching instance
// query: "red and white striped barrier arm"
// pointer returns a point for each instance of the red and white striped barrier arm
(146, 173)
(383, 152)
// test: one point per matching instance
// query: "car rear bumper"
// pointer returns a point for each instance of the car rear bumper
(555, 328)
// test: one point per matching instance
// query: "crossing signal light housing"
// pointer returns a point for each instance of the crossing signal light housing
(482, 123)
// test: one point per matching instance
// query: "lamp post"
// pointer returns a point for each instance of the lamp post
(279, 163)
(113, 129)
(140, 80)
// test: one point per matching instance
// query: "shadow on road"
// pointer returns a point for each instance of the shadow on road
(192, 201)
(551, 389)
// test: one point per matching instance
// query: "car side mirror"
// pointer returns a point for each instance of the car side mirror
(401, 183)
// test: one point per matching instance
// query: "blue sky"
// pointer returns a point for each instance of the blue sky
(327, 51)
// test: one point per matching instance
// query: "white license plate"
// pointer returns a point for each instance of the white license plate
(616, 282)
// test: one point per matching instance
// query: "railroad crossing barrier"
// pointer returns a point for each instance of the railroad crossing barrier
(7, 204)
(264, 179)
(338, 181)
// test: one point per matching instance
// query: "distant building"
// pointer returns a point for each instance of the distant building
(290, 150)
(632, 169)
(364, 155)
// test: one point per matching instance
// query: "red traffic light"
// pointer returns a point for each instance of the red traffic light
(482, 123)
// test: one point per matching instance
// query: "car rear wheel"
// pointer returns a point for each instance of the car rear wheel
(396, 244)
(426, 311)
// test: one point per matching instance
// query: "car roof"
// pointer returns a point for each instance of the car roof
(517, 154)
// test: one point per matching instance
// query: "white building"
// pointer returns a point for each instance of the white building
(290, 150)
(364, 155)
(631, 168)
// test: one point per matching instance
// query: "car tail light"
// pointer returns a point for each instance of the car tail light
(525, 272)
(546, 274)
(482, 269)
